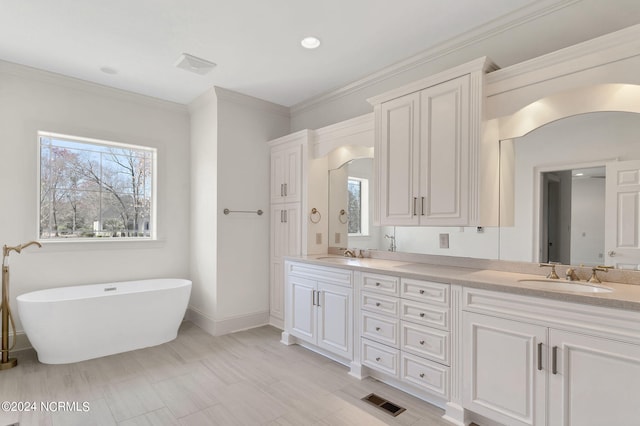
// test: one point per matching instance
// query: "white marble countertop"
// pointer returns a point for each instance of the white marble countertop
(622, 296)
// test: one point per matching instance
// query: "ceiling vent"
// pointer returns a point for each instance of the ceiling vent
(194, 64)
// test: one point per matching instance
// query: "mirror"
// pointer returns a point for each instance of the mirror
(570, 192)
(350, 208)
(354, 228)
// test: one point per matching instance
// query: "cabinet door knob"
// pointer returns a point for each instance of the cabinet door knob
(422, 342)
(378, 359)
(378, 304)
(377, 328)
(422, 375)
(421, 314)
(421, 291)
(377, 284)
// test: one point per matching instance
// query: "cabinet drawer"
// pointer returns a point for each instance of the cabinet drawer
(425, 314)
(319, 273)
(425, 291)
(380, 303)
(384, 284)
(425, 341)
(381, 329)
(380, 357)
(425, 374)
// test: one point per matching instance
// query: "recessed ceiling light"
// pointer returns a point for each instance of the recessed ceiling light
(310, 42)
(194, 64)
(579, 174)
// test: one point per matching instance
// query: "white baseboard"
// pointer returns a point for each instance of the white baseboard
(218, 327)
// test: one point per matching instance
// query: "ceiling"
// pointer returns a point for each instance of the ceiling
(255, 43)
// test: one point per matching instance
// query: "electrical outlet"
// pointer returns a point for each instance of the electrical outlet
(444, 241)
(337, 238)
(319, 238)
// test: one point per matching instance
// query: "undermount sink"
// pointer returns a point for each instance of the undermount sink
(566, 286)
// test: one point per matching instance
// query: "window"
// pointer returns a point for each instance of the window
(358, 190)
(92, 189)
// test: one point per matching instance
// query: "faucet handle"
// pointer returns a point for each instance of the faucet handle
(552, 275)
(594, 276)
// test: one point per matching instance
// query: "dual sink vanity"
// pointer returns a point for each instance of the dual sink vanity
(487, 346)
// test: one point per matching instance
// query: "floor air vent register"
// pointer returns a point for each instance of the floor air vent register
(383, 404)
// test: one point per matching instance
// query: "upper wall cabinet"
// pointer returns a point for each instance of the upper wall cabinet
(430, 168)
(286, 174)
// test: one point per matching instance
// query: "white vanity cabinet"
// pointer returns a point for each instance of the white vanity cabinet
(405, 331)
(530, 361)
(427, 145)
(319, 307)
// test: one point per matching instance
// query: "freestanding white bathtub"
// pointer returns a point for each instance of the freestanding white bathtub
(71, 324)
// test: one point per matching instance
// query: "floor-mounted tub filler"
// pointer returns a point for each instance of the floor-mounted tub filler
(5, 307)
(72, 324)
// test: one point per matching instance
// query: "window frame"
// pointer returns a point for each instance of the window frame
(153, 226)
(364, 207)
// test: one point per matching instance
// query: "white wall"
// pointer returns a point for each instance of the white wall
(230, 169)
(587, 218)
(32, 100)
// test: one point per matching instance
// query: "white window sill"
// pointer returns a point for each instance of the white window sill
(99, 244)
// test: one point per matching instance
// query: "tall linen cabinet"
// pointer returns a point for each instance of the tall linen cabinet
(290, 163)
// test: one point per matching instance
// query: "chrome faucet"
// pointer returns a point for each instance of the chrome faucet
(392, 242)
(349, 253)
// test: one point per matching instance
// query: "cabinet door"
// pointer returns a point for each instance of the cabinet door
(293, 244)
(303, 313)
(286, 174)
(444, 153)
(398, 147)
(597, 381)
(504, 373)
(335, 319)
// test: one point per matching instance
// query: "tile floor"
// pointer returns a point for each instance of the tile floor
(244, 378)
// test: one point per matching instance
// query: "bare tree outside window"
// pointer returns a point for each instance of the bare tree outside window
(354, 187)
(91, 189)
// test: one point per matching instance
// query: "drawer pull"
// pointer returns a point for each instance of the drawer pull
(422, 375)
(377, 328)
(378, 304)
(421, 314)
(421, 291)
(377, 284)
(378, 359)
(422, 342)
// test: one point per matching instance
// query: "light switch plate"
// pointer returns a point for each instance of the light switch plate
(444, 241)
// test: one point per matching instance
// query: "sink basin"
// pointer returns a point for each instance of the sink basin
(566, 286)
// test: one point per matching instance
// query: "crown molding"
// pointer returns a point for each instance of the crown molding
(596, 52)
(299, 136)
(355, 131)
(482, 65)
(48, 77)
(514, 19)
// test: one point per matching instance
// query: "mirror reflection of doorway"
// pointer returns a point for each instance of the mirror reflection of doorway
(572, 216)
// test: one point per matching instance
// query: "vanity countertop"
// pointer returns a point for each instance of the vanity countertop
(623, 296)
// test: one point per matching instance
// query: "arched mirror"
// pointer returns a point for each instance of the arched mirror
(570, 188)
